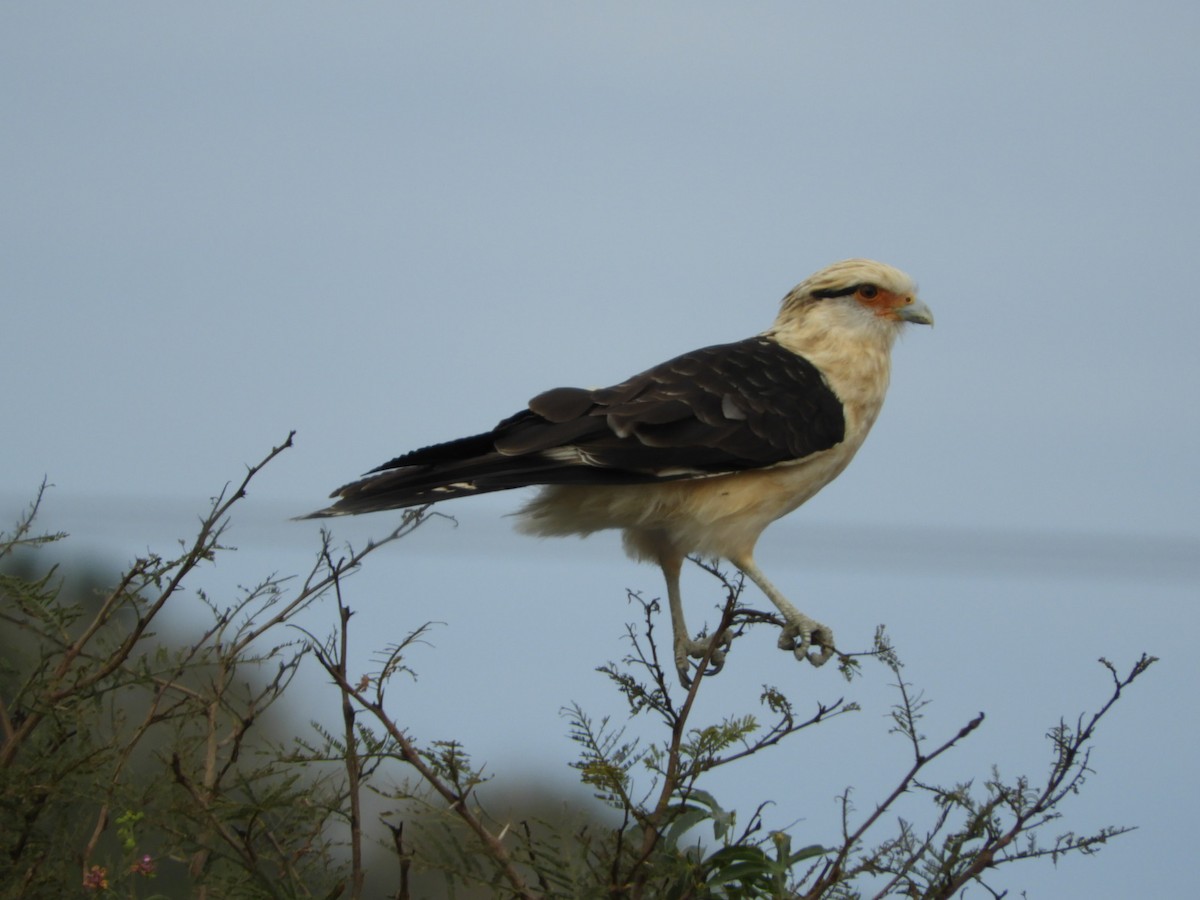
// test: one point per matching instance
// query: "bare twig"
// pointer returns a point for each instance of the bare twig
(455, 795)
(833, 869)
(143, 573)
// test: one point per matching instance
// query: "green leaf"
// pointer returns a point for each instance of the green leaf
(688, 818)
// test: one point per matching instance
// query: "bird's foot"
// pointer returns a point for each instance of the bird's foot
(688, 649)
(802, 633)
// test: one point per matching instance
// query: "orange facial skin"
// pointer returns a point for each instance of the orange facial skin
(883, 303)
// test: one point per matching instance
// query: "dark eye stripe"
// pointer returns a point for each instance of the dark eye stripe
(837, 292)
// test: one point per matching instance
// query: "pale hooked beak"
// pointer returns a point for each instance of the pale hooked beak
(914, 311)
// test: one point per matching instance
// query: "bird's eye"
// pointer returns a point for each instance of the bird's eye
(868, 292)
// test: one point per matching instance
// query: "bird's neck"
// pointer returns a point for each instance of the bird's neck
(851, 350)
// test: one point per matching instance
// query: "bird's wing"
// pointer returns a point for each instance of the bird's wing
(726, 408)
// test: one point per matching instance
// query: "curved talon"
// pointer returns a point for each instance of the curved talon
(811, 634)
(690, 649)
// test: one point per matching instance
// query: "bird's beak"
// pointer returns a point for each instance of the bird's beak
(914, 311)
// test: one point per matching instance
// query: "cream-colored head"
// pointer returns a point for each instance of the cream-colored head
(874, 288)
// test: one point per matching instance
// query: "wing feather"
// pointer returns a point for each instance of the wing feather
(725, 408)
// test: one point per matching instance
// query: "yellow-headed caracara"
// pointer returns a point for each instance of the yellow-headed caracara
(697, 455)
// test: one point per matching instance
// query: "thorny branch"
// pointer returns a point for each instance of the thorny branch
(1066, 773)
(640, 853)
(981, 844)
(142, 575)
(456, 796)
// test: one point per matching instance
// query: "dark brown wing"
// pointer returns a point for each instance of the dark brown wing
(726, 408)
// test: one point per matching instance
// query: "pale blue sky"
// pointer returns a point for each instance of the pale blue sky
(388, 225)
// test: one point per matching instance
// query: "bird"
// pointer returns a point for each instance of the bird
(695, 456)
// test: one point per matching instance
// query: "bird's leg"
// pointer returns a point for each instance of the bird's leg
(800, 633)
(685, 647)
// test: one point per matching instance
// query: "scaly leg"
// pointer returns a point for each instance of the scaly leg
(685, 647)
(810, 632)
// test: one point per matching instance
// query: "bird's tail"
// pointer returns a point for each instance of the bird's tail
(404, 485)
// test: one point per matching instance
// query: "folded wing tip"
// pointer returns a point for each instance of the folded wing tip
(326, 513)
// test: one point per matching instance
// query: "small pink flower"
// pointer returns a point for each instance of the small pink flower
(143, 866)
(96, 879)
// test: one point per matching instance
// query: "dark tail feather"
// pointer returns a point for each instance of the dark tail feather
(416, 485)
(517, 453)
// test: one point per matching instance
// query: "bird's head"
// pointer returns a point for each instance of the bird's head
(859, 290)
